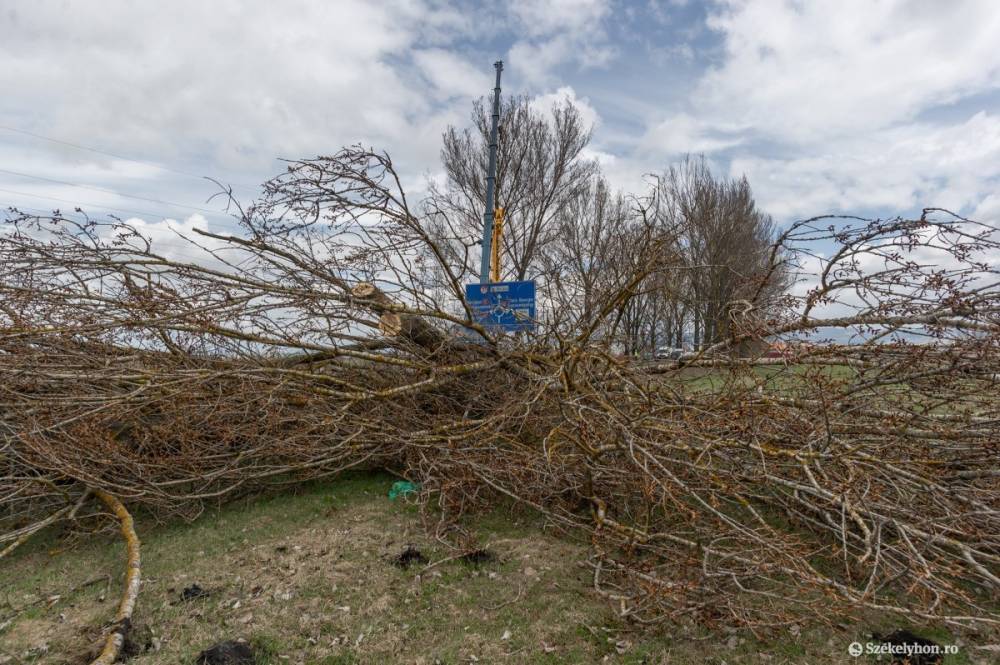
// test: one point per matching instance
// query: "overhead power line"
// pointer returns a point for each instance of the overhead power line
(117, 156)
(181, 243)
(82, 204)
(11, 205)
(108, 191)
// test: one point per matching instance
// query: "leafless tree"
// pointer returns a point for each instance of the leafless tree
(715, 487)
(541, 169)
(727, 244)
(581, 264)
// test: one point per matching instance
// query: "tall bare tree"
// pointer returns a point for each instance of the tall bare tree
(579, 266)
(727, 243)
(540, 170)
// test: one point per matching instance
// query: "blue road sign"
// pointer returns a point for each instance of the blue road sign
(508, 306)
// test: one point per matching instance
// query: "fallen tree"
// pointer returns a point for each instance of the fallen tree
(733, 484)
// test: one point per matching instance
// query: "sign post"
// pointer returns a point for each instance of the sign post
(506, 306)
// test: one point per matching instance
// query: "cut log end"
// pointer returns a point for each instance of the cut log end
(364, 290)
(390, 324)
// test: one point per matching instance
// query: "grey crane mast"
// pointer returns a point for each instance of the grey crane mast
(491, 175)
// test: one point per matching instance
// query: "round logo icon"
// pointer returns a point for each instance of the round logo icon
(854, 648)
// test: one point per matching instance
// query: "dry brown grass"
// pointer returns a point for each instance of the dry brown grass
(310, 579)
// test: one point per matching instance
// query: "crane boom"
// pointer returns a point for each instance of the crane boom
(495, 244)
(489, 242)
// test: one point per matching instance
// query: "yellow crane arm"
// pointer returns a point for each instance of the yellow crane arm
(495, 245)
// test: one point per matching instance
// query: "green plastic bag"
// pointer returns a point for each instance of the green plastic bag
(402, 488)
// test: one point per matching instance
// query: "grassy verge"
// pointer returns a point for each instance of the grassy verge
(308, 577)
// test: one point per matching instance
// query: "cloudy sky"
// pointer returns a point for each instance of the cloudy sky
(873, 108)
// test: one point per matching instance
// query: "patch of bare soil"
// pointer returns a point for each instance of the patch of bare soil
(304, 583)
(323, 591)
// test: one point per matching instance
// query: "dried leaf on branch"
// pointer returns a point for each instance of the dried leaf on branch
(830, 446)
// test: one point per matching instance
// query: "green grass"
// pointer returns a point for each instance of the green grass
(307, 577)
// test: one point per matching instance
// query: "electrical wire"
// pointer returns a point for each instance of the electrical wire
(108, 191)
(117, 156)
(80, 204)
(17, 207)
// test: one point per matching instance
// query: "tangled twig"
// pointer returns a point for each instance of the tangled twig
(835, 449)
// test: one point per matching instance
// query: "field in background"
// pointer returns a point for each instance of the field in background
(309, 578)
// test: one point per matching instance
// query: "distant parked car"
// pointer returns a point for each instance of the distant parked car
(668, 353)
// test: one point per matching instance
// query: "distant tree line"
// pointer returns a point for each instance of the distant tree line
(570, 231)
